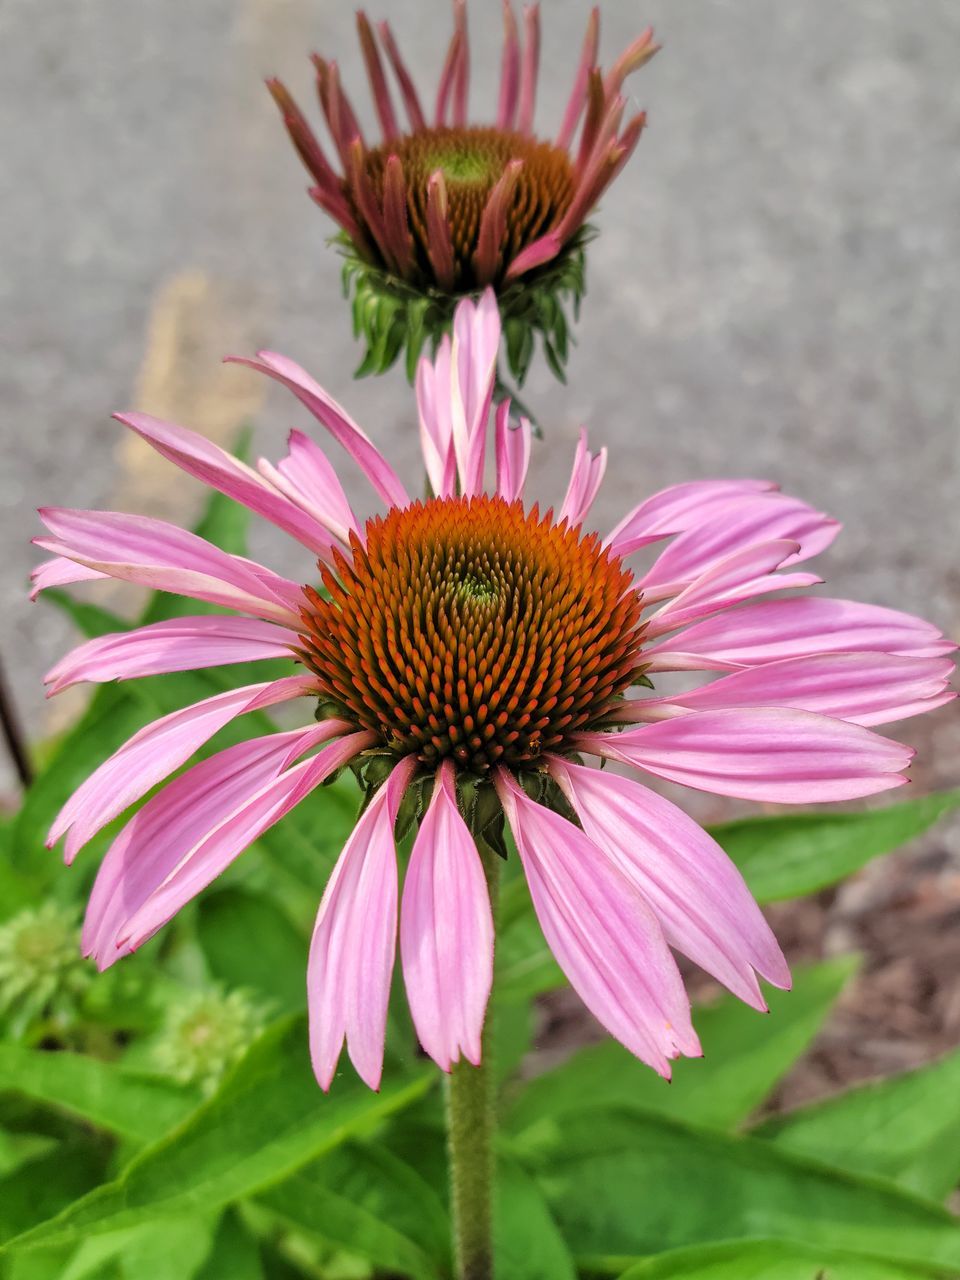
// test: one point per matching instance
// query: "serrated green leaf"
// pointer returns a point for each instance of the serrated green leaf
(906, 1128)
(268, 1120)
(141, 1108)
(773, 1260)
(626, 1184)
(745, 1054)
(799, 853)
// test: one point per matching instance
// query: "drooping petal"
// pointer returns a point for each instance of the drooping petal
(585, 480)
(513, 453)
(211, 856)
(760, 753)
(306, 476)
(864, 688)
(678, 508)
(163, 557)
(154, 752)
(446, 932)
(743, 575)
(177, 644)
(700, 898)
(60, 572)
(176, 820)
(778, 629)
(205, 460)
(473, 360)
(354, 942)
(336, 420)
(764, 517)
(603, 934)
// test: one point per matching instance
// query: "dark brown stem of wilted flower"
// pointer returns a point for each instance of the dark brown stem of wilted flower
(13, 734)
(471, 1121)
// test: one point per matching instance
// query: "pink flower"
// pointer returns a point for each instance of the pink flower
(446, 204)
(481, 647)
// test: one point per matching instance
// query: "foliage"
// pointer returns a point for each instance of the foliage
(114, 1162)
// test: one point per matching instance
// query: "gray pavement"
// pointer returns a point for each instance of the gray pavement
(776, 289)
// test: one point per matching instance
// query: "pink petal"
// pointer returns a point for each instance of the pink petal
(446, 932)
(585, 481)
(513, 453)
(864, 688)
(760, 753)
(778, 629)
(179, 644)
(530, 68)
(161, 556)
(473, 360)
(509, 70)
(308, 479)
(435, 407)
(59, 572)
(633, 57)
(205, 460)
(747, 573)
(439, 238)
(703, 905)
(603, 934)
(404, 79)
(578, 94)
(544, 249)
(354, 942)
(378, 81)
(678, 508)
(178, 818)
(211, 856)
(754, 519)
(154, 752)
(336, 420)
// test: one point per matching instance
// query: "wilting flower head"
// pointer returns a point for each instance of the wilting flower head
(443, 205)
(464, 654)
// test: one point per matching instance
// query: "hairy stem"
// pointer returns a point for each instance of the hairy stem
(471, 1122)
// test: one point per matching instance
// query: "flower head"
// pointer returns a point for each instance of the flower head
(442, 205)
(470, 650)
(42, 975)
(205, 1034)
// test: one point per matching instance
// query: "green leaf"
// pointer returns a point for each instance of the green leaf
(906, 1128)
(268, 1120)
(623, 1183)
(745, 1054)
(772, 1260)
(250, 942)
(308, 1202)
(42, 1187)
(138, 1107)
(171, 1249)
(527, 1243)
(234, 1255)
(799, 853)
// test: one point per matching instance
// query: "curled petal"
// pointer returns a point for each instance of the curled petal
(760, 753)
(585, 481)
(178, 644)
(306, 477)
(698, 895)
(636, 55)
(154, 752)
(678, 508)
(446, 932)
(354, 941)
(60, 572)
(778, 629)
(336, 420)
(602, 932)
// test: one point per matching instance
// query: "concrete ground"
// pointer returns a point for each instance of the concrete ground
(776, 289)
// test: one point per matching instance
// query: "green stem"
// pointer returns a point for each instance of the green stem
(471, 1121)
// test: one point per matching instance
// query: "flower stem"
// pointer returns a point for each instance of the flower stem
(471, 1120)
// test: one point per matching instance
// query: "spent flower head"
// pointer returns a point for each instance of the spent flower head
(443, 204)
(468, 652)
(205, 1034)
(43, 977)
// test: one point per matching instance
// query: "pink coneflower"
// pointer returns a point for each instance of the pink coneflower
(443, 204)
(466, 651)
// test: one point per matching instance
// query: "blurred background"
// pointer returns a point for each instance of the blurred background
(775, 291)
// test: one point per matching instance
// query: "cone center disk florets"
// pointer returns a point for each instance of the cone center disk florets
(474, 630)
(472, 160)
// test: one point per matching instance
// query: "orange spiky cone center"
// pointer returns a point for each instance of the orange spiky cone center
(471, 161)
(471, 629)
